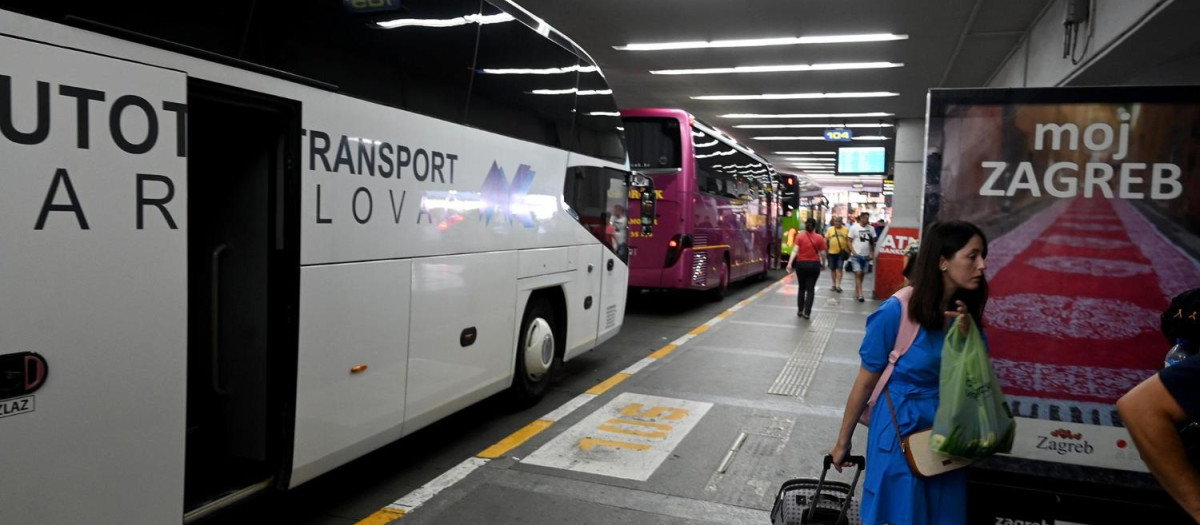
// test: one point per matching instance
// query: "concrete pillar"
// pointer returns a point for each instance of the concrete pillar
(909, 172)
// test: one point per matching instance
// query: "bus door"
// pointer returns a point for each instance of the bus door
(93, 276)
(243, 275)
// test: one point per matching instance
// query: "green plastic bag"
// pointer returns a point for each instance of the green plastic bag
(973, 421)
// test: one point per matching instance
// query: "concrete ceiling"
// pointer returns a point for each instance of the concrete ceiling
(951, 43)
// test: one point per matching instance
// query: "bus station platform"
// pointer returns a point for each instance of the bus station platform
(703, 430)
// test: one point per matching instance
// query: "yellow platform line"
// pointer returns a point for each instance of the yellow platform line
(608, 383)
(382, 517)
(662, 352)
(515, 439)
(699, 330)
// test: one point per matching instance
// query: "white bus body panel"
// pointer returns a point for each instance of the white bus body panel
(612, 297)
(534, 263)
(492, 192)
(451, 294)
(350, 315)
(582, 318)
(104, 304)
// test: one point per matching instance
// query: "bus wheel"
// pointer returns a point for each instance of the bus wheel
(535, 353)
(722, 288)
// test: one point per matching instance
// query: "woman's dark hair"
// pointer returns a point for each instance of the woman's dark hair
(943, 239)
(810, 224)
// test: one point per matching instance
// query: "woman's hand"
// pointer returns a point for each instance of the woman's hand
(839, 454)
(964, 318)
(789, 266)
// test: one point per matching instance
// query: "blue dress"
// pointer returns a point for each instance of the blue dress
(891, 494)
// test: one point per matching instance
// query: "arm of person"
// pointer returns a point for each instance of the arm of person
(856, 403)
(792, 258)
(882, 327)
(1151, 415)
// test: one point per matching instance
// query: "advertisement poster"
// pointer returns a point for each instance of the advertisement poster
(1090, 198)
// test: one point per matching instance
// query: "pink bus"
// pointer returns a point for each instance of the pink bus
(713, 226)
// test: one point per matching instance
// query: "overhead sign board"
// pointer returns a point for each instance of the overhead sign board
(839, 135)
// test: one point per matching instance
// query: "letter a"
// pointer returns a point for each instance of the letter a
(49, 206)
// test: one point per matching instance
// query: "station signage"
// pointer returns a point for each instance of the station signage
(839, 135)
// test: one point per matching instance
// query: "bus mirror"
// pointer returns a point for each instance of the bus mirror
(645, 186)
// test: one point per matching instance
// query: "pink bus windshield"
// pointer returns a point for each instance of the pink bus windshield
(712, 225)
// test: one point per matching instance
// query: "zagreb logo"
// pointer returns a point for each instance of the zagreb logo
(505, 200)
(1062, 441)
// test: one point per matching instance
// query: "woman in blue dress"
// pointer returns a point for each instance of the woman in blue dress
(948, 282)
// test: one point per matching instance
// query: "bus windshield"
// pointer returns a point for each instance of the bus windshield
(653, 143)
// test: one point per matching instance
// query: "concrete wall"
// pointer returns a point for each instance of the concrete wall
(1038, 61)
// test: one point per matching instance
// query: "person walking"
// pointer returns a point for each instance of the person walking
(837, 237)
(862, 250)
(807, 253)
(948, 282)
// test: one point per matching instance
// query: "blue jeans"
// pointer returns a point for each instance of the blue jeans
(859, 263)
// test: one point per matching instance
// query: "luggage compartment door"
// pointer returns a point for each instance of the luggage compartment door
(93, 275)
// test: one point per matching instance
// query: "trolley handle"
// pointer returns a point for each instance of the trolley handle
(858, 461)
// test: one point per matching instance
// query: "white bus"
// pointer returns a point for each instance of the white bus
(244, 243)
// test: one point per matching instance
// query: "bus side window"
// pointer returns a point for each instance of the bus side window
(599, 198)
(535, 107)
(420, 69)
(598, 129)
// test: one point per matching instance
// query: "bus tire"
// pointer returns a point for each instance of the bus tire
(535, 353)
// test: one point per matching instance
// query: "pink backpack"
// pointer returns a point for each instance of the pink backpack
(904, 339)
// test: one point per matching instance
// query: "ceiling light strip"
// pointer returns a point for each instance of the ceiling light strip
(777, 69)
(760, 42)
(793, 96)
(807, 115)
(801, 126)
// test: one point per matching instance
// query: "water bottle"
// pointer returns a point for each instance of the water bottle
(1179, 352)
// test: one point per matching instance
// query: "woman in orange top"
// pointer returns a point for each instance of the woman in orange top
(807, 260)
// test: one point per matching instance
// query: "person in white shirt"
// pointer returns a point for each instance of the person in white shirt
(862, 250)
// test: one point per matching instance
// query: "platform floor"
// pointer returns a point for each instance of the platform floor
(694, 413)
(702, 432)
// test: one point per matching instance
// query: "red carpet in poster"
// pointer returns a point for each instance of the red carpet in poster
(1076, 292)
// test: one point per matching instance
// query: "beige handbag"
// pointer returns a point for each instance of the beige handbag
(923, 461)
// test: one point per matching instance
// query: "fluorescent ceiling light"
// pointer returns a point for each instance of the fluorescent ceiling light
(543, 71)
(807, 115)
(816, 137)
(809, 159)
(776, 69)
(448, 22)
(571, 91)
(604, 114)
(806, 153)
(706, 144)
(758, 42)
(792, 96)
(796, 126)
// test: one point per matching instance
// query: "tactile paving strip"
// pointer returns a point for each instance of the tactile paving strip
(798, 373)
